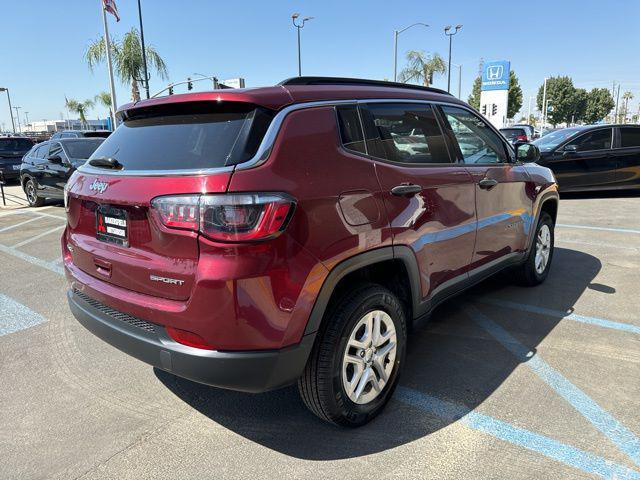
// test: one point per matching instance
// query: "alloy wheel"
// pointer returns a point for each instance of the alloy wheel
(369, 357)
(543, 249)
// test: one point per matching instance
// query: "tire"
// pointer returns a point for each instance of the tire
(530, 272)
(31, 192)
(323, 384)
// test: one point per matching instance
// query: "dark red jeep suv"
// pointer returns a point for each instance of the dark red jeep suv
(252, 238)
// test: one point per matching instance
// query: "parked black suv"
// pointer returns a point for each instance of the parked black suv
(12, 149)
(596, 157)
(81, 134)
(47, 167)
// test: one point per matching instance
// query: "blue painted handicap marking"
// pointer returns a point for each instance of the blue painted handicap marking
(571, 456)
(621, 436)
(15, 317)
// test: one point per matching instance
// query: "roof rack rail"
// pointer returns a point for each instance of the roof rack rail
(356, 81)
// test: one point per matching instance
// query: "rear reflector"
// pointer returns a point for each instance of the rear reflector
(238, 217)
(187, 338)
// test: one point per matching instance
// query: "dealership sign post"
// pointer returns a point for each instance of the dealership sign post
(494, 92)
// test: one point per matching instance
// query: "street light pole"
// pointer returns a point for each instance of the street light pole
(144, 52)
(447, 29)
(13, 125)
(544, 104)
(395, 47)
(299, 27)
(18, 117)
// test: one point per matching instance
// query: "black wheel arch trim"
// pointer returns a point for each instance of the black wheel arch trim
(361, 260)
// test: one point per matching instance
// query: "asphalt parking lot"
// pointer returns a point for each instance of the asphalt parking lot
(504, 382)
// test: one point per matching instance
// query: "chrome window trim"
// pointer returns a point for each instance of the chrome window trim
(264, 150)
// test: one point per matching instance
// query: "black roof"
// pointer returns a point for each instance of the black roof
(357, 81)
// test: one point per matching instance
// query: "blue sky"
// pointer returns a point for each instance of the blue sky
(43, 42)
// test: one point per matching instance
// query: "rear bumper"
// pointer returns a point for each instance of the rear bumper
(248, 371)
(9, 173)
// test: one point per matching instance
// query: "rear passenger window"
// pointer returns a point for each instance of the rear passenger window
(629, 137)
(350, 128)
(405, 133)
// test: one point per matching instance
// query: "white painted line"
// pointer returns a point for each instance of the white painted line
(597, 244)
(32, 260)
(14, 316)
(10, 227)
(36, 237)
(605, 229)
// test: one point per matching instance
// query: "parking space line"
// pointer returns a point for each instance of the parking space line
(31, 212)
(606, 229)
(36, 237)
(571, 456)
(19, 224)
(33, 260)
(14, 316)
(601, 322)
(621, 436)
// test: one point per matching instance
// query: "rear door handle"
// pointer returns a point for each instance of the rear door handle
(487, 183)
(406, 189)
(40, 167)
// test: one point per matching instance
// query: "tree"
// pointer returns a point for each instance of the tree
(474, 98)
(581, 96)
(599, 104)
(561, 95)
(515, 95)
(422, 67)
(626, 96)
(80, 108)
(104, 99)
(127, 58)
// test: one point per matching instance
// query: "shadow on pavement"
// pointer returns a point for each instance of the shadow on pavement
(450, 357)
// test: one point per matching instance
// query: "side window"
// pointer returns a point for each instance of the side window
(477, 141)
(629, 137)
(350, 128)
(405, 133)
(598, 140)
(42, 151)
(56, 149)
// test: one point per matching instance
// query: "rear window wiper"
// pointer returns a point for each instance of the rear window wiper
(106, 162)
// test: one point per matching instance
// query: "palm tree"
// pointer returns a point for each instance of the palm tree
(127, 57)
(104, 99)
(626, 96)
(421, 67)
(80, 108)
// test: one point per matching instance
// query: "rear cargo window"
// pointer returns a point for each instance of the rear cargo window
(175, 140)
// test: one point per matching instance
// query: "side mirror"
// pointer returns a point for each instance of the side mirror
(527, 152)
(57, 159)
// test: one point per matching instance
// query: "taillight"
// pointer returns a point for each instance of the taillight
(521, 138)
(238, 217)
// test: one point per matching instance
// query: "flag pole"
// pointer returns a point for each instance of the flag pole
(107, 44)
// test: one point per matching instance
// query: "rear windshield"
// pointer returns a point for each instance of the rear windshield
(189, 136)
(96, 134)
(81, 148)
(15, 144)
(512, 132)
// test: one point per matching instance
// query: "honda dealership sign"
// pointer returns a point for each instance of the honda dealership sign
(494, 94)
(495, 75)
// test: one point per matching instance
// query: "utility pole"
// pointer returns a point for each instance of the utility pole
(529, 110)
(26, 121)
(617, 100)
(13, 125)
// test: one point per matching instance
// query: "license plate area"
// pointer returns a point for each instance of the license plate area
(112, 225)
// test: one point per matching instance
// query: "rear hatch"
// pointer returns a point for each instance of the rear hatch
(12, 149)
(185, 149)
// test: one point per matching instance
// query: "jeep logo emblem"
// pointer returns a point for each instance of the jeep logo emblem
(98, 186)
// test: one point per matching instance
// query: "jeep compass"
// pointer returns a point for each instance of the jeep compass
(250, 239)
